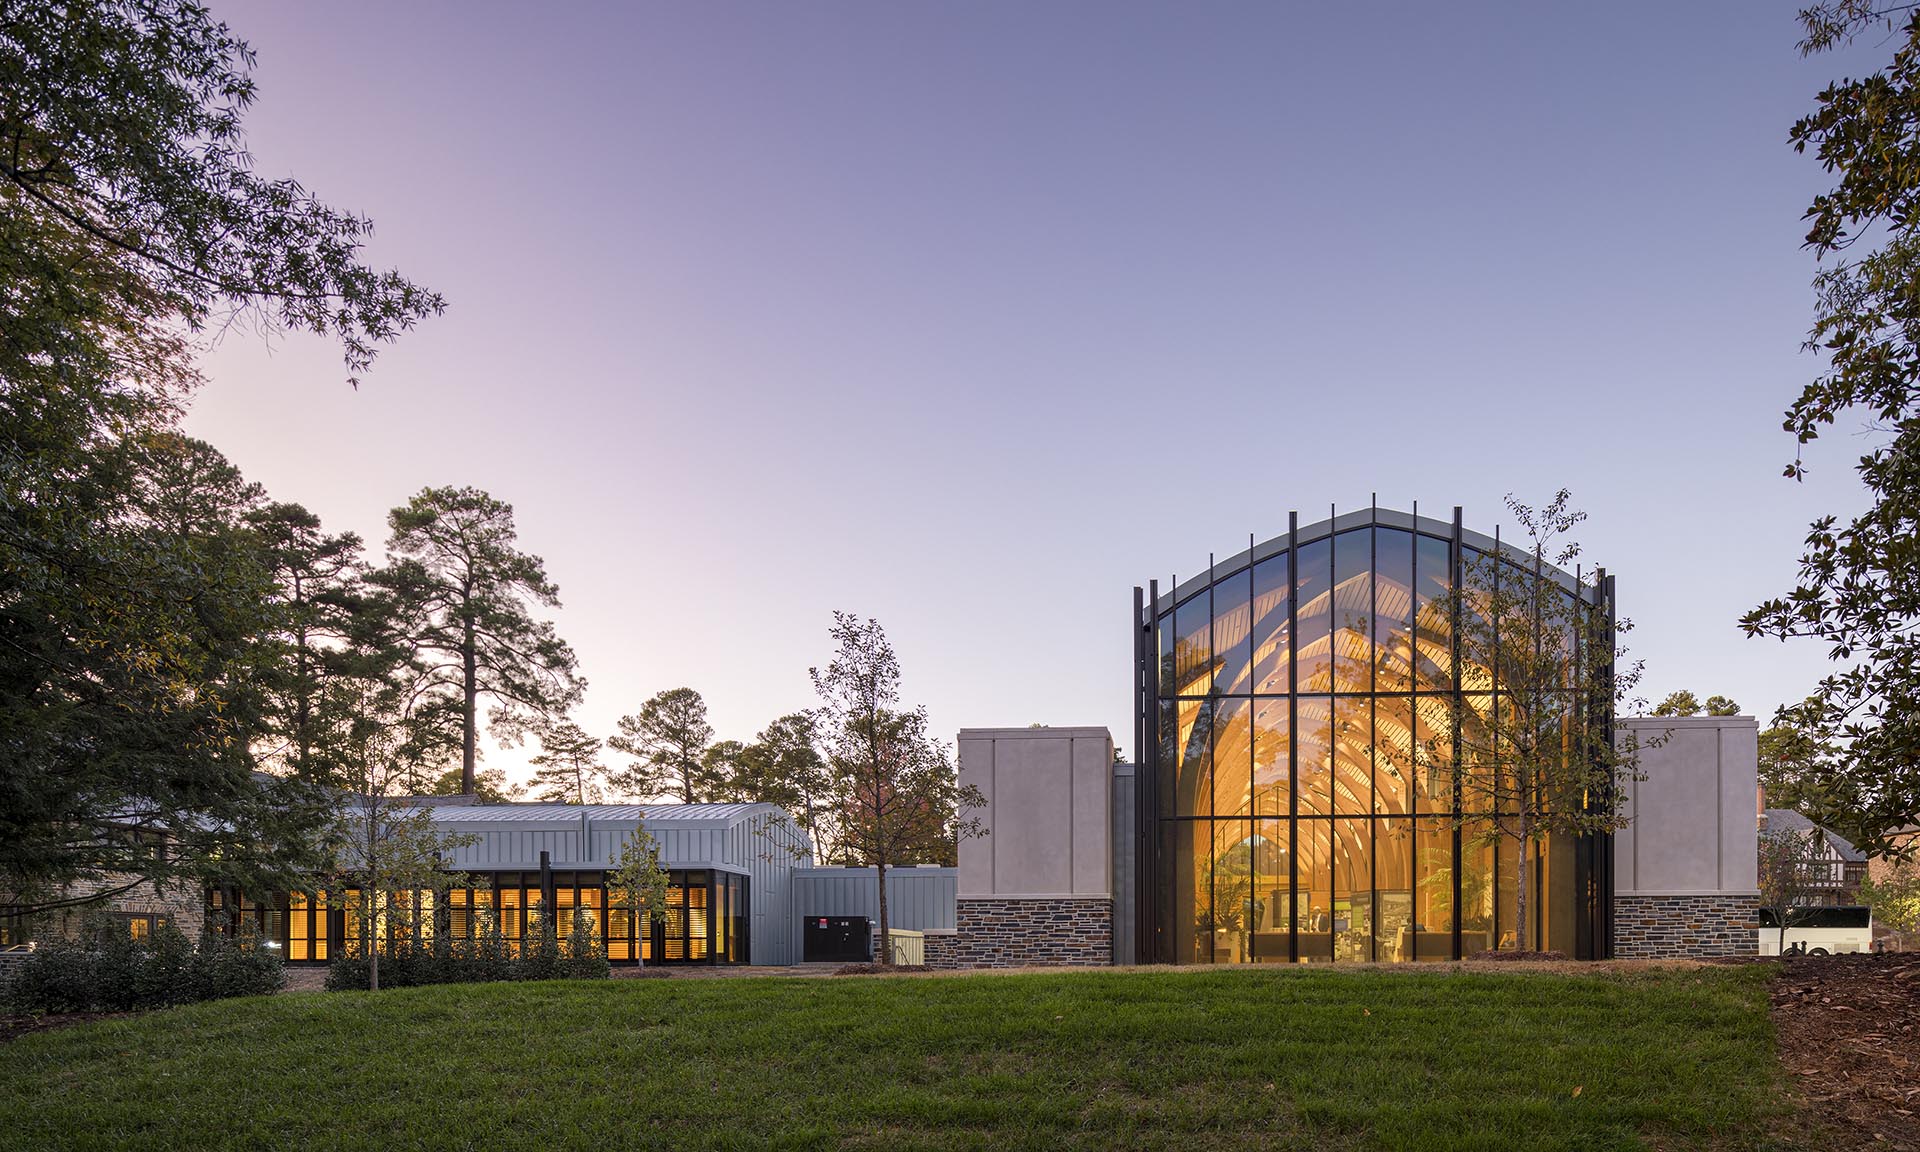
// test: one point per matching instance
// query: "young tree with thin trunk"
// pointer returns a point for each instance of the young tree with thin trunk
(461, 597)
(896, 784)
(568, 768)
(668, 740)
(1537, 757)
(388, 842)
(1792, 874)
(639, 881)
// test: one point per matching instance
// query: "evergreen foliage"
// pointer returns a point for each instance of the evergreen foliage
(140, 632)
(668, 741)
(568, 768)
(106, 970)
(1858, 591)
(459, 598)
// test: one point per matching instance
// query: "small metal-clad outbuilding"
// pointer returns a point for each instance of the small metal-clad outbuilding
(919, 899)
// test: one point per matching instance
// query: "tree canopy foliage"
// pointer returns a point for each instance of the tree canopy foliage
(669, 741)
(1685, 703)
(897, 790)
(1545, 761)
(127, 193)
(568, 768)
(142, 623)
(458, 596)
(1858, 590)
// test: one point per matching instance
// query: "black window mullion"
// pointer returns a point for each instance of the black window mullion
(1212, 707)
(1455, 558)
(1373, 731)
(1293, 737)
(1493, 745)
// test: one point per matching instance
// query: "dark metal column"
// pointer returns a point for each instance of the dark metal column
(1456, 558)
(1293, 737)
(1146, 784)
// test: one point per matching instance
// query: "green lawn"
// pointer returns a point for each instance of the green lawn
(1136, 1059)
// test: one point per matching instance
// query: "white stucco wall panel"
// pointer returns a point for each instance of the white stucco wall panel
(1692, 828)
(976, 768)
(1092, 814)
(1048, 811)
(1034, 786)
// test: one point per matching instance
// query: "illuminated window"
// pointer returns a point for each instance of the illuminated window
(1303, 716)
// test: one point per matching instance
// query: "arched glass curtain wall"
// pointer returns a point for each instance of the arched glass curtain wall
(1283, 814)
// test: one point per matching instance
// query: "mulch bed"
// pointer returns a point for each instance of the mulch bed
(1849, 1030)
(14, 1027)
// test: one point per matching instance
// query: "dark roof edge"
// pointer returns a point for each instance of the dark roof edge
(1342, 522)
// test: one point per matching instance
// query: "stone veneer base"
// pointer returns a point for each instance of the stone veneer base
(1654, 927)
(992, 932)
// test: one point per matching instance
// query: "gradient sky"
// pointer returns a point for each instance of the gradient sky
(973, 316)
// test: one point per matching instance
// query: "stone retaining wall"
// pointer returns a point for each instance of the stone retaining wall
(1652, 927)
(997, 932)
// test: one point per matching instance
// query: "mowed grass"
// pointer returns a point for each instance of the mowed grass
(1175, 1059)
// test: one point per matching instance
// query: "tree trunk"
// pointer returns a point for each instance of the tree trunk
(369, 893)
(1521, 869)
(470, 688)
(303, 704)
(880, 876)
(370, 927)
(813, 836)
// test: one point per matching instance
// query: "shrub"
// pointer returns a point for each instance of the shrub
(348, 974)
(108, 971)
(539, 949)
(167, 975)
(225, 967)
(59, 977)
(492, 960)
(118, 963)
(486, 958)
(585, 960)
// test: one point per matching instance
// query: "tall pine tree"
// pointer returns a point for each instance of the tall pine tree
(460, 597)
(669, 739)
(568, 768)
(318, 595)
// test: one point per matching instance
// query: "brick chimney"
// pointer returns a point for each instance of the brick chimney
(1760, 806)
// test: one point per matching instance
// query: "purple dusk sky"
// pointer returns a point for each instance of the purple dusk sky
(973, 316)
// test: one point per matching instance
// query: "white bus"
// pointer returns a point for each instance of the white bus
(1819, 931)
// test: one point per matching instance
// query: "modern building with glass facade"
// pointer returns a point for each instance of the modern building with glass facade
(742, 886)
(730, 867)
(1305, 714)
(1301, 706)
